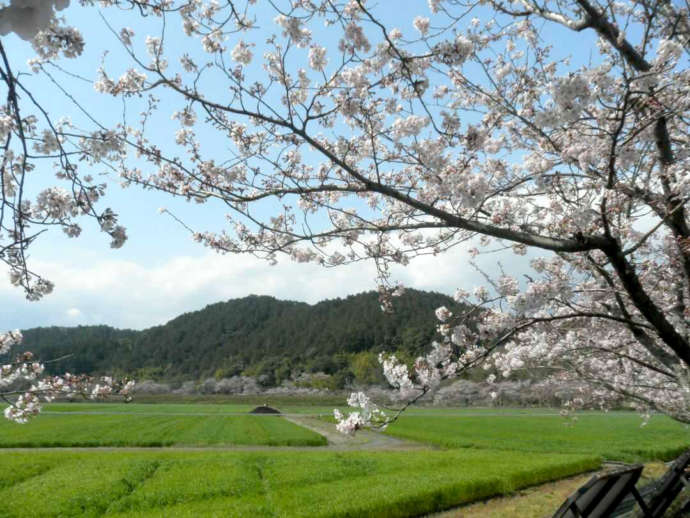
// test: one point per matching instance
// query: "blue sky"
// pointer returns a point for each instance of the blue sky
(161, 272)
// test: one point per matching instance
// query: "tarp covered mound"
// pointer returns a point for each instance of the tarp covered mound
(264, 409)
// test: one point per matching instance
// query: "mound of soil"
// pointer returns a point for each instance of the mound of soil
(264, 410)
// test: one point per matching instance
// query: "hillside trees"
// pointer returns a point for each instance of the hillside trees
(253, 336)
(383, 137)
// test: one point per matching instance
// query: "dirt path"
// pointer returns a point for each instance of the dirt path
(362, 440)
(538, 501)
(534, 502)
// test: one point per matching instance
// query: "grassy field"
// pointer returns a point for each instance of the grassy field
(298, 406)
(158, 429)
(615, 436)
(487, 452)
(294, 405)
(278, 400)
(179, 408)
(279, 483)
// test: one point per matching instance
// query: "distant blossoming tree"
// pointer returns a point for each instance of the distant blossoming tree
(24, 387)
(381, 138)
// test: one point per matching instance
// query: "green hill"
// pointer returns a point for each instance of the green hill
(256, 335)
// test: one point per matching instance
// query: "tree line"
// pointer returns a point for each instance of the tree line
(260, 336)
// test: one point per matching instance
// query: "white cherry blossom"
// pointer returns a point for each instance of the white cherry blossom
(386, 146)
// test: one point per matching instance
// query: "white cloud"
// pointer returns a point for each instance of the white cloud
(73, 312)
(123, 293)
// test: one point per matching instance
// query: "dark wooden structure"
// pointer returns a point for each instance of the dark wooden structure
(614, 493)
(660, 494)
(601, 495)
(265, 409)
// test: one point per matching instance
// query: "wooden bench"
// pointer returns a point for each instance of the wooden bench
(602, 494)
(613, 493)
(660, 494)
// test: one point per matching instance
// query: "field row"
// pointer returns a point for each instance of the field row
(615, 436)
(279, 483)
(56, 430)
(619, 437)
(287, 406)
(485, 452)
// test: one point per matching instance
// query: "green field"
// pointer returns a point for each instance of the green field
(159, 429)
(614, 436)
(278, 483)
(178, 408)
(484, 453)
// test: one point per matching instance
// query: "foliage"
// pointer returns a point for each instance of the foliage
(366, 368)
(325, 484)
(248, 401)
(257, 336)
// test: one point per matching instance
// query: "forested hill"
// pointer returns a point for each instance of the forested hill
(255, 335)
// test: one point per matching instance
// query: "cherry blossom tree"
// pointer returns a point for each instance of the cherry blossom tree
(344, 132)
(30, 139)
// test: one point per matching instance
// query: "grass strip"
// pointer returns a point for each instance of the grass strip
(86, 430)
(619, 437)
(280, 483)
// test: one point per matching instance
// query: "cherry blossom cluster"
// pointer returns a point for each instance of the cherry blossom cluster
(425, 376)
(24, 387)
(27, 18)
(467, 123)
(32, 140)
(369, 414)
(452, 127)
